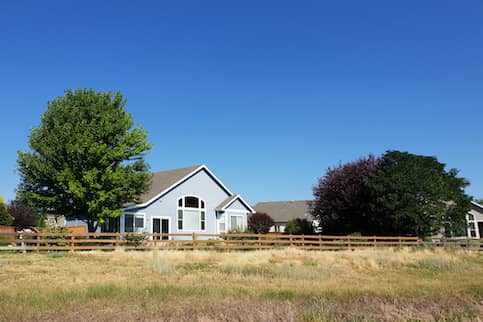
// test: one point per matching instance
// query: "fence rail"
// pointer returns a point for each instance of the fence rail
(112, 241)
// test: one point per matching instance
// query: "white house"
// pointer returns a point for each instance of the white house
(475, 220)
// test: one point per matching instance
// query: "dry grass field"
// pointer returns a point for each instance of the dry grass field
(281, 285)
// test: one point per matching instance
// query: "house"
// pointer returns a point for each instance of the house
(475, 220)
(283, 211)
(187, 200)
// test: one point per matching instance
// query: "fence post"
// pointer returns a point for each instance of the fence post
(117, 238)
(38, 241)
(375, 241)
(193, 236)
(303, 241)
(71, 243)
(291, 240)
(349, 242)
(259, 242)
(22, 243)
(320, 242)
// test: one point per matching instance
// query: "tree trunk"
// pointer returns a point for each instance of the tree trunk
(91, 225)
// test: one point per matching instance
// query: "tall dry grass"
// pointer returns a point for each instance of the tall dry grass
(283, 285)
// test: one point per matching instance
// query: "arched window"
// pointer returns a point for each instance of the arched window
(191, 213)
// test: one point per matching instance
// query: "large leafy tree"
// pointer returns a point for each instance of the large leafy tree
(86, 158)
(397, 194)
(343, 204)
(417, 196)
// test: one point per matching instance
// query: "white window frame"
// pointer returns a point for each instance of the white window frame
(235, 213)
(135, 215)
(220, 220)
(473, 222)
(161, 223)
(199, 209)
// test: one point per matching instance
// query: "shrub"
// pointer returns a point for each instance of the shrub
(260, 223)
(135, 240)
(23, 215)
(299, 226)
(247, 232)
(62, 240)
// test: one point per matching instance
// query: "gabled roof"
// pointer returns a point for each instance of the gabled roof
(283, 211)
(164, 181)
(474, 203)
(228, 201)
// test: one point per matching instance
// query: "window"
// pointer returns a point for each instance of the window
(191, 214)
(133, 223)
(236, 222)
(471, 217)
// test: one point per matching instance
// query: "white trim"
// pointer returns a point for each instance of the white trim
(161, 224)
(477, 204)
(201, 167)
(237, 210)
(251, 210)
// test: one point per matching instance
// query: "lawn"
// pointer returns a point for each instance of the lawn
(279, 285)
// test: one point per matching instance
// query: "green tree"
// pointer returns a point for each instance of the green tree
(398, 193)
(5, 218)
(299, 226)
(86, 158)
(415, 195)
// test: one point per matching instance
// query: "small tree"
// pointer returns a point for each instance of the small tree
(5, 218)
(23, 215)
(299, 226)
(260, 223)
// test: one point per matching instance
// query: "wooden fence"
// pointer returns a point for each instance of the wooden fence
(112, 241)
(474, 244)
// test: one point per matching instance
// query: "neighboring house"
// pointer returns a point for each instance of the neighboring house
(283, 211)
(187, 200)
(475, 220)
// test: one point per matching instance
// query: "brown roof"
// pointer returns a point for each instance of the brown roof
(283, 211)
(165, 179)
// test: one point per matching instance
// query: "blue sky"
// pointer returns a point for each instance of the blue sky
(268, 94)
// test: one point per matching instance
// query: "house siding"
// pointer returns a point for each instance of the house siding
(237, 205)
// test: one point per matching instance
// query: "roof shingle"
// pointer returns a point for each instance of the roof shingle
(283, 211)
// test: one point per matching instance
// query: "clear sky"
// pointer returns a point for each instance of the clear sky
(268, 94)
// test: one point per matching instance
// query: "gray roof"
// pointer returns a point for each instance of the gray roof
(226, 202)
(283, 211)
(165, 179)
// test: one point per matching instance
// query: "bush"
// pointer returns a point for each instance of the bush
(23, 215)
(62, 240)
(260, 223)
(299, 227)
(135, 240)
(241, 232)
